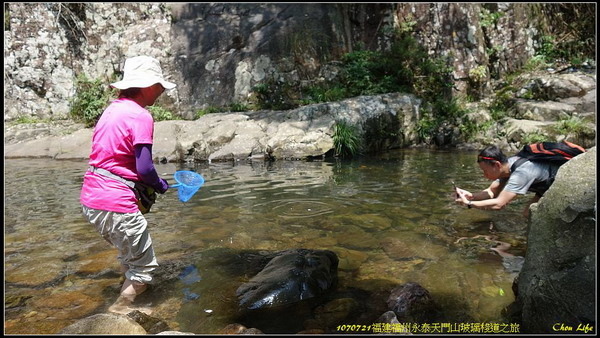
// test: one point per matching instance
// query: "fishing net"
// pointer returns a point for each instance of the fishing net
(188, 183)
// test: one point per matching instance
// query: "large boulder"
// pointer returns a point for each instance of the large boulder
(558, 281)
(105, 323)
(290, 277)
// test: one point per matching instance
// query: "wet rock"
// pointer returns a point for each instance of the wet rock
(388, 317)
(174, 333)
(411, 303)
(410, 245)
(15, 301)
(33, 325)
(98, 262)
(105, 323)
(350, 259)
(168, 272)
(354, 237)
(290, 277)
(336, 312)
(473, 249)
(34, 273)
(239, 329)
(67, 305)
(367, 221)
(395, 326)
(150, 324)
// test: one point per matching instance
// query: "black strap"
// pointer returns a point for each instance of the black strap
(540, 187)
(517, 163)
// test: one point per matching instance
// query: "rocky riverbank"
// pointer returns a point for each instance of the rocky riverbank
(550, 106)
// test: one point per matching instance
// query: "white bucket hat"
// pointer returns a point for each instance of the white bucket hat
(142, 72)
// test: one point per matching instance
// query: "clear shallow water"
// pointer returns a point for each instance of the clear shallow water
(390, 220)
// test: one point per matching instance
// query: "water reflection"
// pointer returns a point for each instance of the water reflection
(388, 218)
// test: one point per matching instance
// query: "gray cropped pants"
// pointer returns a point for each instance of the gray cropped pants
(128, 232)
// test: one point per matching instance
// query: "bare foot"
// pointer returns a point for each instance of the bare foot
(129, 291)
(132, 289)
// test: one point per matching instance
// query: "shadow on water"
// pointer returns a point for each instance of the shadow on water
(241, 265)
(389, 219)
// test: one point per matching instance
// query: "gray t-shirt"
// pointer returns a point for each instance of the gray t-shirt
(527, 175)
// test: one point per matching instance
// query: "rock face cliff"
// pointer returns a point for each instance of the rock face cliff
(558, 281)
(217, 52)
(48, 45)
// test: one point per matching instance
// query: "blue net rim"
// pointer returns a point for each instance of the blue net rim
(189, 178)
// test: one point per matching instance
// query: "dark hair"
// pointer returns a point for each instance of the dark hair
(129, 92)
(491, 154)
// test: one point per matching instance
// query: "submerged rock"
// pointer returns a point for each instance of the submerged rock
(239, 329)
(290, 277)
(151, 324)
(411, 303)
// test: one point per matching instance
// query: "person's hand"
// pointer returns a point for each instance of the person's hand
(163, 186)
(462, 196)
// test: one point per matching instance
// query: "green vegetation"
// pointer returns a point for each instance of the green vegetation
(91, 97)
(407, 26)
(26, 120)
(478, 74)
(477, 78)
(426, 126)
(238, 107)
(161, 114)
(364, 74)
(323, 93)
(346, 140)
(488, 18)
(275, 95)
(406, 67)
(534, 137)
(568, 31)
(571, 126)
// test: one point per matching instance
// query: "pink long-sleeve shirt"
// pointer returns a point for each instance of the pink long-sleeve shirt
(123, 125)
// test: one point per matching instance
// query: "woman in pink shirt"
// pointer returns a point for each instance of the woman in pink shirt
(122, 153)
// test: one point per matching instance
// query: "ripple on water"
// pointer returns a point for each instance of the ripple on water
(298, 208)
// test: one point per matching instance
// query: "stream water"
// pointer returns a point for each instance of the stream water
(389, 218)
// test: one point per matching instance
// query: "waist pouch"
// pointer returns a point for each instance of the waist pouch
(145, 195)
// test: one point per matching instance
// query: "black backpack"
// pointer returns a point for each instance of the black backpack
(559, 152)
